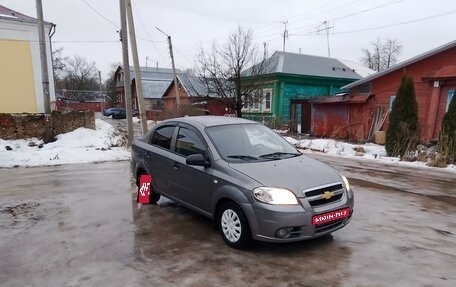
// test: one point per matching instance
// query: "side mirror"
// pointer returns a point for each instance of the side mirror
(197, 159)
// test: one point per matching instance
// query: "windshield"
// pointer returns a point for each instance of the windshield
(249, 142)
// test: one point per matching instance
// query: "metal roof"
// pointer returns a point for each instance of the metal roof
(402, 65)
(307, 65)
(155, 73)
(8, 14)
(154, 89)
(155, 81)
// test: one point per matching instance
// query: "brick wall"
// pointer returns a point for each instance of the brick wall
(21, 126)
(67, 121)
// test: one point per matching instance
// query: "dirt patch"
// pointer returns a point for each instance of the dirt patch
(20, 209)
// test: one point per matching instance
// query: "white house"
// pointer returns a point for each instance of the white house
(21, 88)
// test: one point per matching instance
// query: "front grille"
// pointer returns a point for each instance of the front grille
(319, 195)
(325, 201)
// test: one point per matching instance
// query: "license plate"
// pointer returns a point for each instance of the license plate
(330, 216)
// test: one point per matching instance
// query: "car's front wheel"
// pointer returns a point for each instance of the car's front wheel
(234, 226)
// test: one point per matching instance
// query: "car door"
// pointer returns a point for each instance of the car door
(157, 158)
(192, 184)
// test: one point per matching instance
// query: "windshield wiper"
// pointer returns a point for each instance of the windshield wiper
(244, 157)
(277, 155)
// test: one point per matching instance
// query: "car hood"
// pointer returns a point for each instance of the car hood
(296, 174)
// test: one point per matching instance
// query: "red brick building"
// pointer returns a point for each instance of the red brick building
(434, 74)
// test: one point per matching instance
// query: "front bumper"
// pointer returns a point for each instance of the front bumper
(265, 219)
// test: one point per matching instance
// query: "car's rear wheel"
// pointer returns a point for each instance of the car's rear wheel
(153, 197)
(234, 226)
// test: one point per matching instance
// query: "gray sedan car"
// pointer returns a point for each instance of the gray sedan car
(243, 175)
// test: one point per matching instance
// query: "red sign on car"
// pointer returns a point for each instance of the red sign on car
(330, 216)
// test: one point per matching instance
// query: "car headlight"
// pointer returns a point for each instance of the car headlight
(275, 195)
(347, 185)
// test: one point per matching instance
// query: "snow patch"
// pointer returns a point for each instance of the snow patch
(79, 146)
(369, 151)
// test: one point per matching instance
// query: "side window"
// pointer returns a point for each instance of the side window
(449, 98)
(188, 143)
(162, 137)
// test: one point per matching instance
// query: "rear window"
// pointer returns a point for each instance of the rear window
(162, 137)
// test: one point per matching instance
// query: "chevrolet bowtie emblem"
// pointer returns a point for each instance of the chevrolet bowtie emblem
(327, 195)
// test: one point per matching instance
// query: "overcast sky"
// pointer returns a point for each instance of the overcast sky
(88, 28)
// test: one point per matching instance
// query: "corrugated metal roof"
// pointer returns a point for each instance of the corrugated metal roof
(155, 73)
(154, 89)
(300, 64)
(401, 65)
(155, 81)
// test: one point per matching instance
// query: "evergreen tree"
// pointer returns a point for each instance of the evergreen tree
(447, 139)
(402, 134)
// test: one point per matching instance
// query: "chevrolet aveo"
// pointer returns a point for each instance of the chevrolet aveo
(247, 178)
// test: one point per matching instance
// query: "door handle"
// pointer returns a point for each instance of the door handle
(176, 165)
(148, 154)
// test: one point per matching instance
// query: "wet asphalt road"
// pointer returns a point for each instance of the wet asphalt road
(79, 225)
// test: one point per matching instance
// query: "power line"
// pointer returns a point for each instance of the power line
(369, 9)
(101, 15)
(147, 31)
(386, 26)
(210, 14)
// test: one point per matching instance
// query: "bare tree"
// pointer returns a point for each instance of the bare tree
(382, 55)
(80, 74)
(233, 70)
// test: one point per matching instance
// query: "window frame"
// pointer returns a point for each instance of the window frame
(198, 135)
(171, 144)
(259, 106)
(450, 97)
(391, 102)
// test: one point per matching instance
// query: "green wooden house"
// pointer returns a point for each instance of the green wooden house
(291, 81)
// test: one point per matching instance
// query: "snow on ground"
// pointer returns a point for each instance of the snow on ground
(370, 151)
(79, 146)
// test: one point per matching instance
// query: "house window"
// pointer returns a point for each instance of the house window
(392, 99)
(266, 103)
(256, 101)
(449, 98)
(260, 101)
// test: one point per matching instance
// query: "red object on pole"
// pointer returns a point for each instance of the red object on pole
(145, 182)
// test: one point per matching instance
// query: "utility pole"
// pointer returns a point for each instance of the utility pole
(326, 28)
(147, 58)
(285, 34)
(43, 57)
(176, 86)
(265, 51)
(101, 89)
(138, 78)
(126, 71)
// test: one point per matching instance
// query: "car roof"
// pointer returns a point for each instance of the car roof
(209, 121)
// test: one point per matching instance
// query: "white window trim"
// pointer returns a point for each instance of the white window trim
(260, 106)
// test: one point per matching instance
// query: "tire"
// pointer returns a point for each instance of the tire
(233, 226)
(153, 196)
